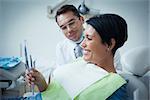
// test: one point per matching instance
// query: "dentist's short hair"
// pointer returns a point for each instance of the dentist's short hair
(67, 8)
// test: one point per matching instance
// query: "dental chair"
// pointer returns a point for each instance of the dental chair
(136, 66)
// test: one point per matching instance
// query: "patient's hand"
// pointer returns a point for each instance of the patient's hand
(35, 77)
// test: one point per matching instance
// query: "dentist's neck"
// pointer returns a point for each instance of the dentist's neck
(80, 40)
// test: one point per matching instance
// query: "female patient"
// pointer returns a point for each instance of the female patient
(92, 77)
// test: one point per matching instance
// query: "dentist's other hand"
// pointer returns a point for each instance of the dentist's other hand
(35, 77)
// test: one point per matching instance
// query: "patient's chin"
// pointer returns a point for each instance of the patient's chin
(86, 58)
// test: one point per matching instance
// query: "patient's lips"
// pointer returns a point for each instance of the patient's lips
(85, 52)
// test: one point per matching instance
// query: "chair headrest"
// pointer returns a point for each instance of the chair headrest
(137, 60)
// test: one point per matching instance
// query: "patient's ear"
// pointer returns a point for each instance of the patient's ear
(113, 43)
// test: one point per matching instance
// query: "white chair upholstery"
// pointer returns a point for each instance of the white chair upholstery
(136, 61)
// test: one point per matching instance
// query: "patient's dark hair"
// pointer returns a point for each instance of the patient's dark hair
(110, 26)
(66, 8)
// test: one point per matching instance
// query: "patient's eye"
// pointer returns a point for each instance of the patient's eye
(89, 37)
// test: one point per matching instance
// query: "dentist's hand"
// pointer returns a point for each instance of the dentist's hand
(35, 77)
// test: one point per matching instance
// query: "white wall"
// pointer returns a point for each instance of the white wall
(24, 20)
(149, 22)
(149, 37)
(27, 19)
(135, 12)
(0, 17)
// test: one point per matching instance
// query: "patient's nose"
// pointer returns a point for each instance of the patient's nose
(83, 44)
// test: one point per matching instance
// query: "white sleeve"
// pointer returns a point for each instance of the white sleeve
(60, 59)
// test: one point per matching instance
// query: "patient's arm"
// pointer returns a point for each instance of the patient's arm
(35, 77)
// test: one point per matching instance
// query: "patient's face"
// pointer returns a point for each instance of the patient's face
(94, 50)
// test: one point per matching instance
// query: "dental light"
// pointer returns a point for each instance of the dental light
(84, 10)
